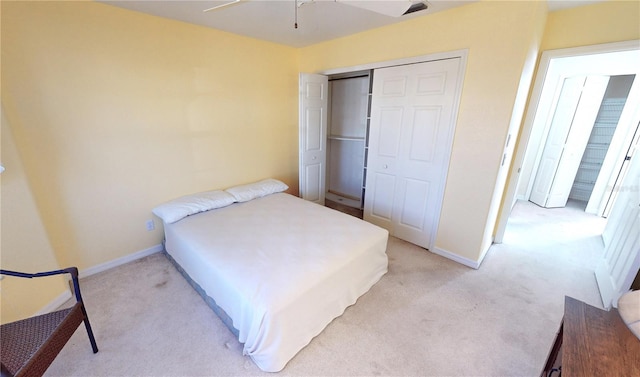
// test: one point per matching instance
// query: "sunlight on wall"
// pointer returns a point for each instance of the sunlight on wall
(24, 245)
(130, 110)
(605, 22)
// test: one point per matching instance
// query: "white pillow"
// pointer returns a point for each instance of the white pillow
(179, 208)
(259, 189)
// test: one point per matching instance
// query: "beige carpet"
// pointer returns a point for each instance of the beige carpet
(428, 316)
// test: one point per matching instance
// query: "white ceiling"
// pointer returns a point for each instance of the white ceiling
(274, 20)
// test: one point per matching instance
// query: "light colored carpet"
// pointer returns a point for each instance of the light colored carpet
(428, 316)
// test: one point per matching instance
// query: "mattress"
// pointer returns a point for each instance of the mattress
(282, 268)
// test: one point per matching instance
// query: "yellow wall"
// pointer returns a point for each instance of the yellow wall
(609, 21)
(24, 245)
(499, 36)
(115, 112)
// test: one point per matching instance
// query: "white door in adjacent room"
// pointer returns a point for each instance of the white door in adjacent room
(569, 131)
(413, 116)
(313, 136)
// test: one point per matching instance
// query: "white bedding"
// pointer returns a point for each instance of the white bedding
(282, 268)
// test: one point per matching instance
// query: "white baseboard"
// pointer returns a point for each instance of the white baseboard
(66, 295)
(55, 304)
(120, 261)
(456, 258)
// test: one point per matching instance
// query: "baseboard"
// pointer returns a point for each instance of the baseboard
(120, 261)
(55, 304)
(456, 258)
(66, 295)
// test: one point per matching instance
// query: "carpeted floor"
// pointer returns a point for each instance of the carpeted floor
(428, 316)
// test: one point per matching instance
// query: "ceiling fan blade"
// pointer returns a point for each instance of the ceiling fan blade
(395, 8)
(230, 2)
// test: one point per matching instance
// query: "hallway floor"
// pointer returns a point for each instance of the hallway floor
(568, 233)
(566, 239)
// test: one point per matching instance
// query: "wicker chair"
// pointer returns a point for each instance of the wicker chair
(30, 345)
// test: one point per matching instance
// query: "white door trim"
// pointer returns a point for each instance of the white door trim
(462, 54)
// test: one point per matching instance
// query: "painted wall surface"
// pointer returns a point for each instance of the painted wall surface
(115, 112)
(499, 36)
(609, 21)
(24, 245)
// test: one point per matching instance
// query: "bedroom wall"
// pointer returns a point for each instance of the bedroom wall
(24, 245)
(114, 112)
(605, 22)
(502, 38)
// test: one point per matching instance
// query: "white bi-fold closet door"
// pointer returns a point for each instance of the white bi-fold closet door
(413, 114)
(575, 113)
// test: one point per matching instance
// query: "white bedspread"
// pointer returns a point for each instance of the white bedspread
(281, 267)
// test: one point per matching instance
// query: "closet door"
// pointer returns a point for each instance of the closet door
(313, 136)
(571, 126)
(411, 132)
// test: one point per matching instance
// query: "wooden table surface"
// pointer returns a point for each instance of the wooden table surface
(597, 342)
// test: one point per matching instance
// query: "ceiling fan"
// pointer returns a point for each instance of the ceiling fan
(393, 8)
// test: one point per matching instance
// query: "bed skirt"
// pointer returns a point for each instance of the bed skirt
(210, 301)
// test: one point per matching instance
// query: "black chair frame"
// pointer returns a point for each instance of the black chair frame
(30, 345)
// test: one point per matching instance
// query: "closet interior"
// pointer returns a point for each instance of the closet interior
(348, 116)
(602, 133)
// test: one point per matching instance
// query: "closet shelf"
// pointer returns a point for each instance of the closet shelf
(346, 138)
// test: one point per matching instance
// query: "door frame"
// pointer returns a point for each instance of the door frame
(462, 54)
(531, 134)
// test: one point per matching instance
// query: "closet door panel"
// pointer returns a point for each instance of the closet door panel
(413, 205)
(424, 128)
(382, 208)
(390, 132)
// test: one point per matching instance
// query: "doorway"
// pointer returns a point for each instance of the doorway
(585, 121)
(616, 59)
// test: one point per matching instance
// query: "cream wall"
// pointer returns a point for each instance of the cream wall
(114, 112)
(500, 37)
(609, 21)
(24, 244)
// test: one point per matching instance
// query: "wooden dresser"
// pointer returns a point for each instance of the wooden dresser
(592, 342)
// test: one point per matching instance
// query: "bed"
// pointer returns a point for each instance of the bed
(277, 268)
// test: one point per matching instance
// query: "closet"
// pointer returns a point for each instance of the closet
(379, 141)
(348, 118)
